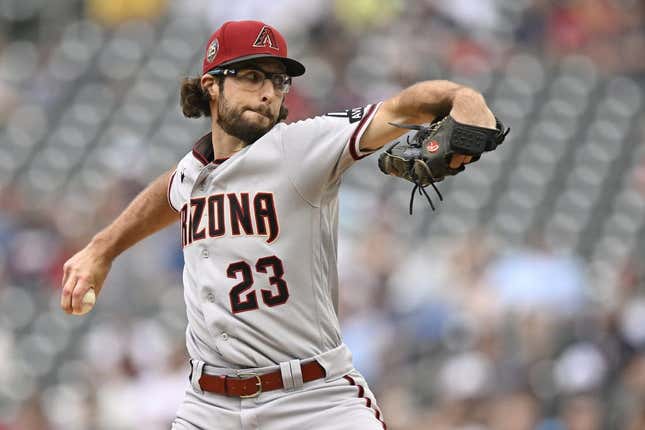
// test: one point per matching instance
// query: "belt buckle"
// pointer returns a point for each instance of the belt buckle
(257, 384)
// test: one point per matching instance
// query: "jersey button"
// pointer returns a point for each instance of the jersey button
(210, 297)
(205, 253)
(224, 336)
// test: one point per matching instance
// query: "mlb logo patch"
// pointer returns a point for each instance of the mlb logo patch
(212, 51)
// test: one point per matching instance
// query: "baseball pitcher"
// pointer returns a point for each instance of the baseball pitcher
(257, 202)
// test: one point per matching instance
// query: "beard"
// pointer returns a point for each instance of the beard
(231, 120)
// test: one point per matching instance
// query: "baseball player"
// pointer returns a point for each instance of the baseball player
(257, 202)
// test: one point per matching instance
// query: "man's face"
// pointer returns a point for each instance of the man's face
(249, 114)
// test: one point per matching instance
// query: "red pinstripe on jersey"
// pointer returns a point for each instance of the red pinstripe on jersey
(353, 144)
(368, 401)
(172, 177)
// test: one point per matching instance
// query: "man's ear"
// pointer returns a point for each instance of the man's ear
(210, 85)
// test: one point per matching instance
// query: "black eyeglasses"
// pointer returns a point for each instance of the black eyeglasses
(253, 78)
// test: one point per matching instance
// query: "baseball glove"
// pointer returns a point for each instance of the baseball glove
(425, 158)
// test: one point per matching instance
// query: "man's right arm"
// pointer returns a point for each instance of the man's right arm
(148, 213)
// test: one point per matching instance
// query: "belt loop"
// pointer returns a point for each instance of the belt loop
(196, 373)
(296, 373)
(336, 362)
(287, 379)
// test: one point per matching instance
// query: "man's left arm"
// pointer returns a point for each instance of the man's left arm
(422, 103)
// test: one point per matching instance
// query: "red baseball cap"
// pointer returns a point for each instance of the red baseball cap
(237, 41)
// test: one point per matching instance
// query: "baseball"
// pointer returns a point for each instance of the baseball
(89, 299)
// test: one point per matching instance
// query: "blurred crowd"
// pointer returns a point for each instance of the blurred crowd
(490, 337)
(462, 331)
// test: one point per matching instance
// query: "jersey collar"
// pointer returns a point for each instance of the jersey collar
(203, 149)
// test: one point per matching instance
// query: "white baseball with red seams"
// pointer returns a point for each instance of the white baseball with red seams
(259, 236)
(88, 302)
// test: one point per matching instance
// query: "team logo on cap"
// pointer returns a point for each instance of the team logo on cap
(212, 51)
(266, 39)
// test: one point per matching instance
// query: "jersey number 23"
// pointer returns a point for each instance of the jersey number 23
(242, 299)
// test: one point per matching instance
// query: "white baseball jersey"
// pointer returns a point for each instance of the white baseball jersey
(259, 235)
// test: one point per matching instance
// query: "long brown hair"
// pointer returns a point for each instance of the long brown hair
(194, 100)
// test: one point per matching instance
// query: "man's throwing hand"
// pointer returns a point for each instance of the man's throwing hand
(83, 277)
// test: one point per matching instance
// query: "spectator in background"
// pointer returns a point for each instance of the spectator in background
(583, 412)
(515, 410)
(31, 416)
(32, 251)
(113, 12)
(626, 409)
(536, 277)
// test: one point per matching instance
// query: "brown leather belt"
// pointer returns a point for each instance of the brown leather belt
(251, 385)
